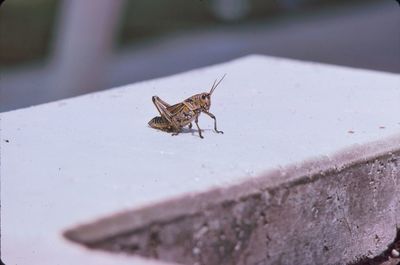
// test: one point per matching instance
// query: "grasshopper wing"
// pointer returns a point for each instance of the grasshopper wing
(176, 109)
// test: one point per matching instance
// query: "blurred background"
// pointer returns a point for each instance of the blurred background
(53, 49)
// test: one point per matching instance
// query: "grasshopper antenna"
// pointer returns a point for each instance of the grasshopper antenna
(214, 86)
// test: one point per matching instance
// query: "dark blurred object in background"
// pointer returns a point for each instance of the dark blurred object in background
(26, 29)
(54, 49)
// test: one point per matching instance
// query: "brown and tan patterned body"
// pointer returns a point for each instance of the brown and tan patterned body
(174, 118)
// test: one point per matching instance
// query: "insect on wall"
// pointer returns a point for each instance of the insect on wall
(175, 117)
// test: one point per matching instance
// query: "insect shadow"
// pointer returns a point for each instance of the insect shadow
(194, 131)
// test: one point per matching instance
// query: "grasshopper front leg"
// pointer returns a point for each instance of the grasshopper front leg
(198, 128)
(215, 120)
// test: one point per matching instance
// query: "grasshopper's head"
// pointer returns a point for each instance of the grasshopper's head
(205, 98)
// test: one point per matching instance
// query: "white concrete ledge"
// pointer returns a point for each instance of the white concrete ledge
(72, 162)
(190, 204)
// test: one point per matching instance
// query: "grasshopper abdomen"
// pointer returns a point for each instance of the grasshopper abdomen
(160, 123)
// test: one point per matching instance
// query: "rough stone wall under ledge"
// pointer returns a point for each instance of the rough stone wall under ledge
(333, 217)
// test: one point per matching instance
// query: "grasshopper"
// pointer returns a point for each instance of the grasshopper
(174, 117)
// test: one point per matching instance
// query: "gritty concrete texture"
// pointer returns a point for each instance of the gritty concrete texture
(391, 256)
(306, 172)
(331, 217)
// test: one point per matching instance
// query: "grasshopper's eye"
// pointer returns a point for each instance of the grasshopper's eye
(203, 96)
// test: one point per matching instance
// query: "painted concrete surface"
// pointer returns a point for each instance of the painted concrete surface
(73, 161)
